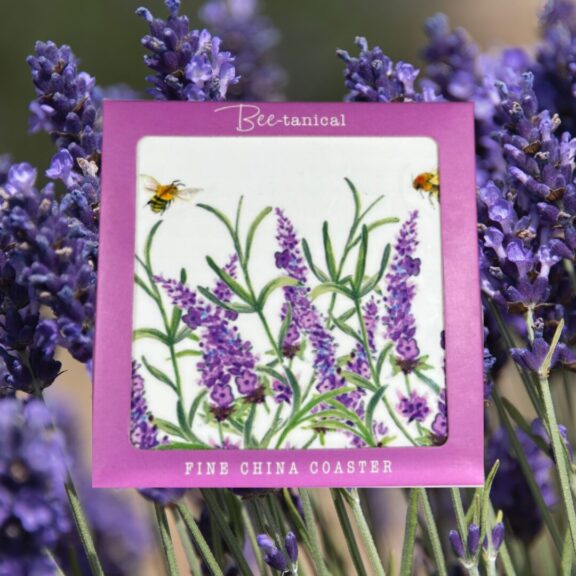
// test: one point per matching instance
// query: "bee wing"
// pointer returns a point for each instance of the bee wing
(435, 179)
(187, 193)
(150, 183)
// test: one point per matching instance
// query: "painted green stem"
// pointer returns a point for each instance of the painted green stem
(374, 372)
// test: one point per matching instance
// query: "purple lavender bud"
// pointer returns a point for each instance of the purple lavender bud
(265, 542)
(61, 167)
(456, 543)
(163, 496)
(498, 533)
(291, 544)
(473, 538)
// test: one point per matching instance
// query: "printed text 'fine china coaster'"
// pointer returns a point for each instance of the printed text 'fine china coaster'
(288, 295)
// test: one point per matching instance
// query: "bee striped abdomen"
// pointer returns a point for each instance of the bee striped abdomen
(158, 204)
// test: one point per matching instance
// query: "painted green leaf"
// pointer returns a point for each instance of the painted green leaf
(347, 329)
(329, 252)
(229, 281)
(152, 333)
(240, 308)
(158, 374)
(358, 380)
(372, 405)
(222, 217)
(169, 428)
(329, 287)
(361, 261)
(183, 446)
(273, 285)
(356, 196)
(375, 280)
(252, 230)
(285, 325)
(322, 276)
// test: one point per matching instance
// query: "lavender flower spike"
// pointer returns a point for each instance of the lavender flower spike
(373, 77)
(398, 318)
(188, 64)
(251, 37)
(34, 512)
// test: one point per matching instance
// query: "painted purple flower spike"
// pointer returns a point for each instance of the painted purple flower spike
(398, 318)
(306, 320)
(143, 432)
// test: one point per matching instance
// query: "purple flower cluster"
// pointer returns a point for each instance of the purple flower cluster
(413, 407)
(373, 77)
(305, 317)
(440, 422)
(143, 432)
(226, 357)
(34, 511)
(188, 64)
(398, 318)
(511, 492)
(53, 254)
(279, 560)
(251, 37)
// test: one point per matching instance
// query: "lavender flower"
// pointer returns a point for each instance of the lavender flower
(373, 77)
(511, 492)
(53, 254)
(274, 557)
(65, 106)
(556, 55)
(144, 433)
(34, 508)
(226, 357)
(27, 343)
(413, 407)
(398, 318)
(305, 317)
(188, 64)
(473, 541)
(282, 392)
(251, 37)
(440, 422)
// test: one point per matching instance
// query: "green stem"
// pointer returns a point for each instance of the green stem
(528, 472)
(460, 516)
(559, 456)
(348, 533)
(410, 534)
(166, 540)
(253, 542)
(310, 522)
(366, 534)
(198, 539)
(433, 532)
(567, 563)
(191, 557)
(227, 534)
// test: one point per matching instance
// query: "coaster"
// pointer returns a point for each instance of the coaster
(288, 296)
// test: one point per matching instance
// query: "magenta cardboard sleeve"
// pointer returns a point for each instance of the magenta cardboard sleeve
(289, 143)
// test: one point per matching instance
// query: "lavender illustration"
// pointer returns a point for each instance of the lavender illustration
(338, 361)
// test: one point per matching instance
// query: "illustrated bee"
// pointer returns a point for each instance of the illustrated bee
(428, 183)
(165, 194)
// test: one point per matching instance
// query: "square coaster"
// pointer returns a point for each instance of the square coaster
(288, 296)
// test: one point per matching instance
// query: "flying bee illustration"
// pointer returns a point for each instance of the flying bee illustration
(165, 194)
(428, 183)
